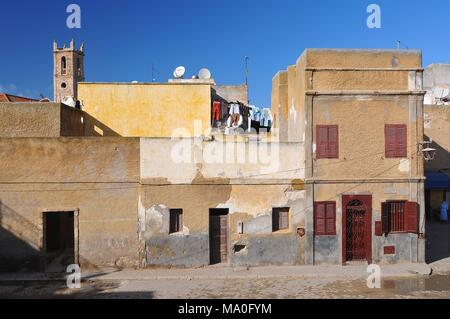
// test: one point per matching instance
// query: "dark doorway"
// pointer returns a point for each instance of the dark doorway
(218, 236)
(357, 228)
(59, 240)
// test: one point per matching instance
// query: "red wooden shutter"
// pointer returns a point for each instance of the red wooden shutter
(385, 218)
(390, 141)
(401, 140)
(333, 142)
(412, 217)
(330, 226)
(319, 219)
(322, 141)
(396, 141)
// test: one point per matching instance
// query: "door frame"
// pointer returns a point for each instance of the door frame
(76, 223)
(228, 234)
(367, 201)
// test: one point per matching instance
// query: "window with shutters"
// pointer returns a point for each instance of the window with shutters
(176, 221)
(400, 217)
(280, 219)
(325, 218)
(327, 141)
(395, 140)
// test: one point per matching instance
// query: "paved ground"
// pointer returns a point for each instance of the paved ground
(217, 283)
(275, 288)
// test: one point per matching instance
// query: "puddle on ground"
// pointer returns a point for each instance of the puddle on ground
(408, 285)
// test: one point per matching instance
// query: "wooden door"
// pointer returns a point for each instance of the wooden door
(218, 238)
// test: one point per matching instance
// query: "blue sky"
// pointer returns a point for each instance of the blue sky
(124, 38)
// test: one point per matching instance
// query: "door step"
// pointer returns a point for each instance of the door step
(357, 263)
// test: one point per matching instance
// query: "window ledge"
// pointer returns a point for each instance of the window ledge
(282, 232)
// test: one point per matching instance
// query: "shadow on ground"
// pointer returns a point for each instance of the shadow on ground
(58, 290)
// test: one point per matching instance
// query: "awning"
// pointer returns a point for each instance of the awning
(437, 181)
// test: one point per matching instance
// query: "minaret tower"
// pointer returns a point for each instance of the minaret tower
(68, 70)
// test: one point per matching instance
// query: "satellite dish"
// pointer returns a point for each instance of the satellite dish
(179, 72)
(69, 100)
(440, 92)
(204, 74)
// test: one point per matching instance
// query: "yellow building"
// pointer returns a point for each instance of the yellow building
(146, 109)
(359, 115)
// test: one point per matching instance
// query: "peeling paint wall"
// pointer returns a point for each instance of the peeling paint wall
(250, 204)
(98, 178)
(197, 161)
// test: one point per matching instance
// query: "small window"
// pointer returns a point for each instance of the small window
(63, 65)
(325, 218)
(400, 217)
(396, 211)
(280, 219)
(176, 221)
(395, 141)
(63, 85)
(327, 141)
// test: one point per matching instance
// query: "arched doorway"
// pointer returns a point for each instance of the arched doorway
(357, 228)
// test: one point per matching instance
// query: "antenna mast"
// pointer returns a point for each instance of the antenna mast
(246, 77)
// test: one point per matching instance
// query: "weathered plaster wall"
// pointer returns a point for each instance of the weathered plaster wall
(279, 107)
(361, 123)
(361, 91)
(360, 80)
(231, 93)
(148, 110)
(188, 161)
(248, 189)
(328, 249)
(72, 121)
(437, 127)
(436, 75)
(39, 120)
(98, 178)
(250, 204)
(360, 58)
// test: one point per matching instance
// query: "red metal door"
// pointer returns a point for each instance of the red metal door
(357, 228)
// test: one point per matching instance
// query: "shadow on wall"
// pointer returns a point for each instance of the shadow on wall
(16, 252)
(438, 241)
(93, 127)
(19, 248)
(438, 234)
(441, 163)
